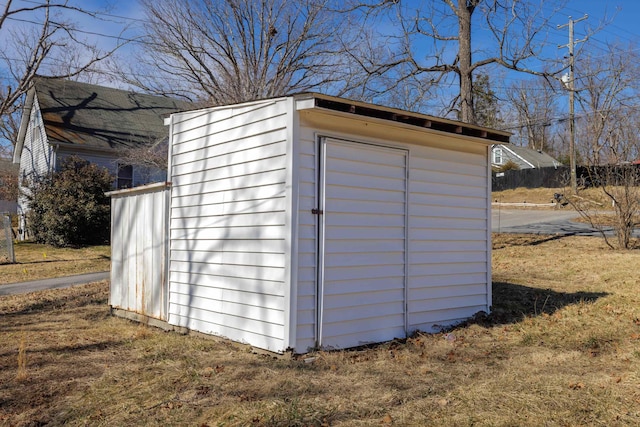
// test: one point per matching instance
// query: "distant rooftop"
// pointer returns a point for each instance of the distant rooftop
(102, 117)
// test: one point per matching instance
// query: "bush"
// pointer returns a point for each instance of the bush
(69, 207)
(510, 165)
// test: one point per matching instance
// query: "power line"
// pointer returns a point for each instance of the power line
(92, 12)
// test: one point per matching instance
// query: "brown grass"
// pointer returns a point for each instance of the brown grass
(594, 196)
(35, 261)
(526, 195)
(562, 348)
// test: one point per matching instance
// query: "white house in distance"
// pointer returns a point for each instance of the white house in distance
(524, 157)
(310, 221)
(62, 118)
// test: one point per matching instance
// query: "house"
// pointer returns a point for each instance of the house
(309, 221)
(62, 118)
(525, 158)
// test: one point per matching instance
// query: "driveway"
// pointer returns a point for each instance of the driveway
(538, 221)
(55, 283)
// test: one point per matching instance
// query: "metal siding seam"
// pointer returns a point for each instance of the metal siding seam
(406, 241)
(488, 249)
(291, 261)
(320, 177)
(167, 226)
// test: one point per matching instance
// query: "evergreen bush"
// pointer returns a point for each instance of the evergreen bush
(69, 207)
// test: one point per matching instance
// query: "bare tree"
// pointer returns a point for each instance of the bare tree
(45, 43)
(608, 90)
(535, 112)
(609, 144)
(434, 40)
(228, 51)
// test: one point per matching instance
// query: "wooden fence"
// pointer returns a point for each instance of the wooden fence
(139, 250)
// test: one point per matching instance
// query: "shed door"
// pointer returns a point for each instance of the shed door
(362, 238)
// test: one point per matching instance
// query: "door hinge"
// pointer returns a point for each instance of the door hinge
(317, 211)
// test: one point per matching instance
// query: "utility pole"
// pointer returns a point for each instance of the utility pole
(571, 85)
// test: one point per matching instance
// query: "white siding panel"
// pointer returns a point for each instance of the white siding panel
(238, 245)
(36, 160)
(226, 125)
(220, 165)
(422, 222)
(260, 259)
(261, 192)
(416, 257)
(269, 330)
(227, 329)
(363, 287)
(239, 284)
(454, 279)
(448, 247)
(138, 239)
(423, 200)
(228, 222)
(307, 244)
(274, 204)
(227, 307)
(234, 170)
(229, 147)
(186, 187)
(240, 271)
(425, 295)
(224, 234)
(207, 293)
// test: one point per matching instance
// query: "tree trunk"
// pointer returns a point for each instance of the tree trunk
(464, 12)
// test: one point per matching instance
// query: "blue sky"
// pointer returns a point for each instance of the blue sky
(622, 16)
(124, 17)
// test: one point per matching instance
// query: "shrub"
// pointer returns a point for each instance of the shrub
(69, 207)
(510, 165)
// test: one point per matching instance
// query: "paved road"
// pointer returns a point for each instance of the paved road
(537, 221)
(56, 283)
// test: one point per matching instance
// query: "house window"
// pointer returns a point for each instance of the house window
(498, 159)
(125, 176)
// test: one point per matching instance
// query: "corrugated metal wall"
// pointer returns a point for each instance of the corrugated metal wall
(139, 248)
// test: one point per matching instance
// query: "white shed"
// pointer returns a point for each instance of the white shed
(310, 221)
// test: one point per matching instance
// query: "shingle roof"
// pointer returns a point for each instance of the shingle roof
(102, 117)
(537, 158)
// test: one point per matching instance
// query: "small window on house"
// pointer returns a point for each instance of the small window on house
(125, 177)
(498, 159)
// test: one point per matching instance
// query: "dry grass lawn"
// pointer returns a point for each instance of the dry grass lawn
(35, 261)
(594, 197)
(562, 348)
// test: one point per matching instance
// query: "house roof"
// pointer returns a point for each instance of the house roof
(98, 117)
(536, 158)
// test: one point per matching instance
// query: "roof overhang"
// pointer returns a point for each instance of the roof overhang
(344, 107)
(24, 123)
